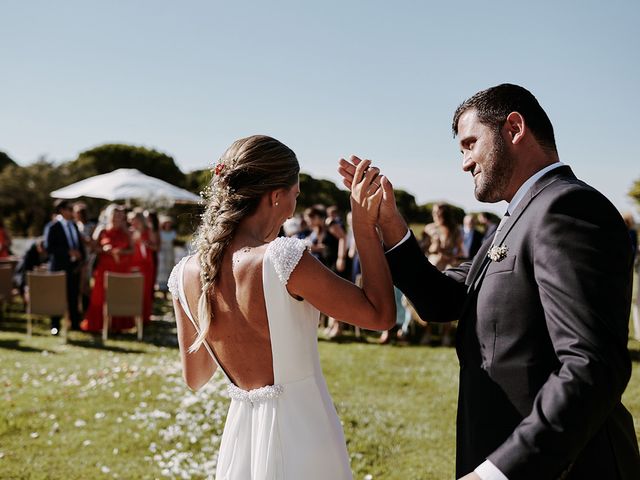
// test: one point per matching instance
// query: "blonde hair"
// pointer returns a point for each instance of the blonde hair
(250, 168)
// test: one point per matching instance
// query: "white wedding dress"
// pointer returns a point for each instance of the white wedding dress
(289, 430)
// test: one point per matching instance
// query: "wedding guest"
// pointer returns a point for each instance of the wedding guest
(385, 337)
(166, 254)
(445, 251)
(66, 253)
(86, 228)
(142, 259)
(315, 219)
(633, 235)
(335, 242)
(446, 248)
(291, 226)
(471, 237)
(153, 224)
(486, 220)
(35, 256)
(5, 241)
(114, 249)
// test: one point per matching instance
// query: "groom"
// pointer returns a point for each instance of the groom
(543, 308)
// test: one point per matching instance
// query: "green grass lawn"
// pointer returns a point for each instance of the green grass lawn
(84, 410)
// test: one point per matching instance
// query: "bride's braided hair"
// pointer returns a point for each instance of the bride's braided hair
(250, 168)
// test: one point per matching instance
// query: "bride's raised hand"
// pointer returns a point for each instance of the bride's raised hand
(366, 193)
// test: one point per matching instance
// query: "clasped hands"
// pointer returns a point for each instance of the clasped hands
(369, 189)
(366, 183)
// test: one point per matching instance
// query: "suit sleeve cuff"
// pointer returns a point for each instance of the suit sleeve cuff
(488, 471)
(404, 239)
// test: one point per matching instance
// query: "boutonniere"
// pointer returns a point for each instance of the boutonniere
(497, 254)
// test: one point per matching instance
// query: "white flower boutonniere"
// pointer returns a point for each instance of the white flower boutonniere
(497, 254)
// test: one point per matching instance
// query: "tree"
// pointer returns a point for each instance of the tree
(109, 157)
(196, 180)
(325, 192)
(635, 191)
(25, 203)
(5, 160)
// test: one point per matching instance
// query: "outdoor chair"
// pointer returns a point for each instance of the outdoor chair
(9, 262)
(47, 297)
(123, 298)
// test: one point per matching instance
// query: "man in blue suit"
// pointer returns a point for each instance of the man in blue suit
(66, 252)
(471, 237)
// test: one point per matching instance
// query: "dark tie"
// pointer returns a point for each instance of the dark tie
(503, 220)
(71, 237)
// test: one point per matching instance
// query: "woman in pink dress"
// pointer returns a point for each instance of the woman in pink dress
(142, 260)
(114, 248)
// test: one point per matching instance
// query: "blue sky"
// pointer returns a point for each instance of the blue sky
(332, 78)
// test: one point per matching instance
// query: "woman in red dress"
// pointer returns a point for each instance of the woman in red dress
(114, 249)
(142, 260)
(5, 241)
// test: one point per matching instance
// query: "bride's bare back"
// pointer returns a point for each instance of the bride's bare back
(239, 331)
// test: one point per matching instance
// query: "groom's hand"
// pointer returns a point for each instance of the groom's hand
(391, 223)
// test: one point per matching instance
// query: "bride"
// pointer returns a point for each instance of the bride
(248, 303)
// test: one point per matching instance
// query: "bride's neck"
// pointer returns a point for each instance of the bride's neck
(255, 230)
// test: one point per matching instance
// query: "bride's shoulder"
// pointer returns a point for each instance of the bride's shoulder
(285, 253)
(187, 269)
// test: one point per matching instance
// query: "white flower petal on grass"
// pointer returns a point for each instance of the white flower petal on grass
(86, 443)
(80, 423)
(99, 415)
(105, 469)
(34, 435)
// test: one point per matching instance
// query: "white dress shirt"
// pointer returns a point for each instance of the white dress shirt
(487, 470)
(69, 232)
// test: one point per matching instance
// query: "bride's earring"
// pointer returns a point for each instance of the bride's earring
(276, 204)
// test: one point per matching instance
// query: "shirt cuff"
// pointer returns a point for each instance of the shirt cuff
(488, 471)
(404, 239)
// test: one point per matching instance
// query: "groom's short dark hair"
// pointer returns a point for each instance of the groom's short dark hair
(494, 104)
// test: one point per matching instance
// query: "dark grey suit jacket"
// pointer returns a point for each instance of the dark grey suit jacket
(542, 337)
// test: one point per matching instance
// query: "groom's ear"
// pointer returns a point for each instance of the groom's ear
(515, 127)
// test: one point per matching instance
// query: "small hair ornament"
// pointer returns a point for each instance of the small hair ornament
(219, 168)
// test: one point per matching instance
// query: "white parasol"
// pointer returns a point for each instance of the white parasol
(124, 184)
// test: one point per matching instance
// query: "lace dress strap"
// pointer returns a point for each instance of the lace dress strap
(285, 253)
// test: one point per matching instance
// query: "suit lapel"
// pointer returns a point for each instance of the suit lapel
(479, 262)
(501, 234)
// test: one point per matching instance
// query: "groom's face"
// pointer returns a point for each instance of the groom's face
(485, 156)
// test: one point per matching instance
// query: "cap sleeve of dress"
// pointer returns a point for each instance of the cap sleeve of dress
(285, 253)
(172, 283)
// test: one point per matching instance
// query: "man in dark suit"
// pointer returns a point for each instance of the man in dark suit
(66, 252)
(543, 308)
(486, 220)
(471, 237)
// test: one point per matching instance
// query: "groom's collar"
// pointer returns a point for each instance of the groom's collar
(524, 188)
